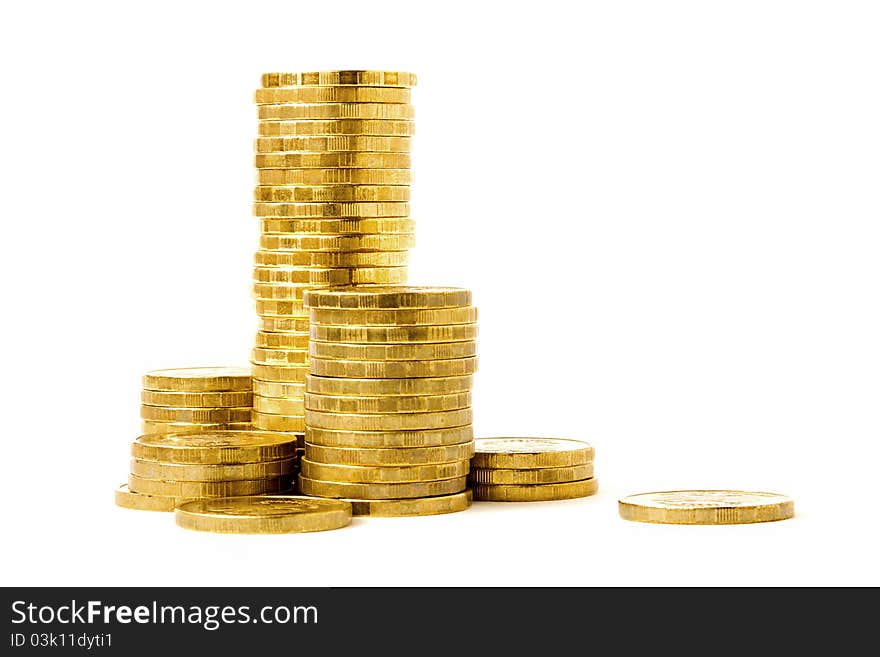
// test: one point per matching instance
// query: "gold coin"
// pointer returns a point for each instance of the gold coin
(395, 318)
(529, 453)
(334, 176)
(381, 491)
(279, 374)
(195, 415)
(393, 334)
(393, 111)
(269, 422)
(395, 422)
(393, 352)
(203, 472)
(215, 447)
(282, 340)
(390, 297)
(341, 143)
(279, 406)
(331, 258)
(263, 356)
(389, 456)
(395, 404)
(331, 210)
(335, 159)
(332, 78)
(265, 514)
(150, 426)
(313, 242)
(197, 399)
(338, 226)
(350, 275)
(284, 324)
(199, 379)
(279, 390)
(388, 474)
(331, 193)
(198, 489)
(532, 476)
(706, 507)
(276, 308)
(126, 499)
(535, 493)
(390, 439)
(417, 506)
(332, 127)
(393, 369)
(282, 290)
(302, 275)
(389, 387)
(336, 94)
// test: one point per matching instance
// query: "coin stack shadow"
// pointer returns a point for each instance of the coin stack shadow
(196, 399)
(333, 169)
(388, 398)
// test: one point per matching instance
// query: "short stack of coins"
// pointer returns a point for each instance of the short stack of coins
(169, 468)
(531, 469)
(196, 399)
(388, 398)
(332, 197)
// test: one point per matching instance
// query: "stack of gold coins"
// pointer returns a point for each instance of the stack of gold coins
(168, 468)
(388, 398)
(532, 469)
(196, 399)
(333, 169)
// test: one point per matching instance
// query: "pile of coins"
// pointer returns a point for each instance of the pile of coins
(167, 469)
(531, 469)
(196, 399)
(388, 398)
(333, 170)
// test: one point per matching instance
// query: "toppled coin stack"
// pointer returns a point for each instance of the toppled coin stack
(333, 169)
(196, 399)
(169, 468)
(531, 469)
(388, 401)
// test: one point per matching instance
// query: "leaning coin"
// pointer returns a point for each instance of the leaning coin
(140, 502)
(269, 514)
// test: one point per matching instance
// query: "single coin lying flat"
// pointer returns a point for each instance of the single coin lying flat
(263, 514)
(706, 507)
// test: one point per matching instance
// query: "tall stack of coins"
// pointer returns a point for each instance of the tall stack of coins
(532, 469)
(388, 398)
(196, 399)
(332, 198)
(169, 468)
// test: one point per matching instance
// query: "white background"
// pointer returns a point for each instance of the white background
(668, 213)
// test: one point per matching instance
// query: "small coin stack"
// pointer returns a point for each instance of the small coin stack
(196, 399)
(531, 469)
(388, 398)
(167, 469)
(333, 170)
